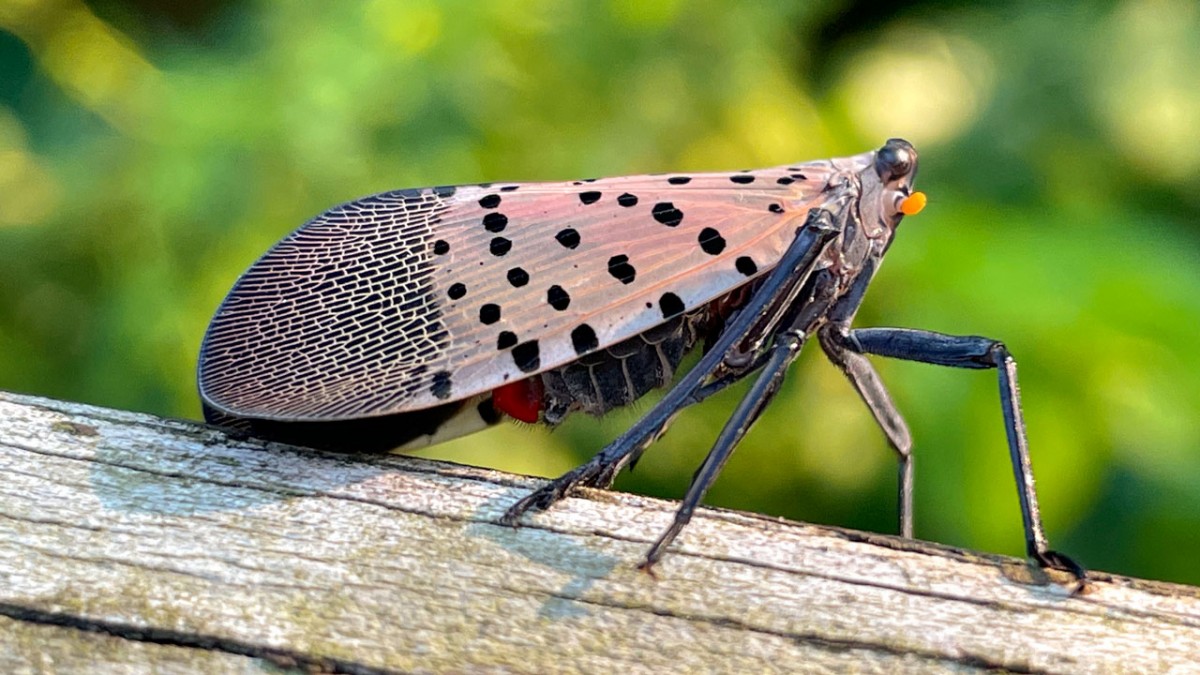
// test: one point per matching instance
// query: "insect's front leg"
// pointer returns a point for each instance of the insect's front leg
(794, 268)
(977, 352)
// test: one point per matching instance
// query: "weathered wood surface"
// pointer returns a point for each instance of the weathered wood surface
(130, 543)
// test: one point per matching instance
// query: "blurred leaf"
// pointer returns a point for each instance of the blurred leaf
(149, 153)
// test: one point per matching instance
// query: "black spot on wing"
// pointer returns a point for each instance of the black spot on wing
(439, 385)
(518, 277)
(527, 356)
(558, 297)
(568, 237)
(489, 314)
(490, 201)
(583, 339)
(711, 241)
(746, 266)
(670, 305)
(495, 222)
(500, 246)
(589, 197)
(621, 270)
(667, 214)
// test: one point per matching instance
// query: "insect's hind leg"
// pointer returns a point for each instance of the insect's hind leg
(793, 270)
(866, 382)
(977, 352)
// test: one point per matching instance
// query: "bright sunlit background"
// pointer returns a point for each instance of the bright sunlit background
(150, 151)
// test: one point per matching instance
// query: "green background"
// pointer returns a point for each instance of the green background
(149, 154)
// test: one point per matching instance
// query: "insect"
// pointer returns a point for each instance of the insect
(414, 316)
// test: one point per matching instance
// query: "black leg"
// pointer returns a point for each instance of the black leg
(787, 347)
(977, 352)
(783, 282)
(781, 355)
(866, 382)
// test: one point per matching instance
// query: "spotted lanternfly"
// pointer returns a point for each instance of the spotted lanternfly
(414, 316)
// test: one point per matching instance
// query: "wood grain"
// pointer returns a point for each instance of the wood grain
(131, 543)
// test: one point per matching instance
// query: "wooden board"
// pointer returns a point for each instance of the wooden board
(131, 543)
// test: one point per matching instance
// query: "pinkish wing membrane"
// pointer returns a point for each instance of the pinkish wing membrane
(409, 299)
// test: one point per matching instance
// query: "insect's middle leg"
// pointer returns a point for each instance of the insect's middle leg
(866, 382)
(765, 387)
(802, 320)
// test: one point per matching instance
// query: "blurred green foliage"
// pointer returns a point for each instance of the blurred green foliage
(149, 153)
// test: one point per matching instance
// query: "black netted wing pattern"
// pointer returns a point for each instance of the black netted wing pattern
(336, 320)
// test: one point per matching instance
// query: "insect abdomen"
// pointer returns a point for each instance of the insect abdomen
(617, 376)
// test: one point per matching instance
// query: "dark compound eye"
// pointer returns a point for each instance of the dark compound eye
(895, 159)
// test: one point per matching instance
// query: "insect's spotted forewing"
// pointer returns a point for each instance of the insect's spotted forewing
(410, 299)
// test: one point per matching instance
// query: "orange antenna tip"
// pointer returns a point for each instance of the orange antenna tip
(913, 204)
